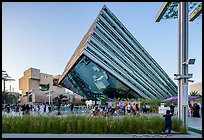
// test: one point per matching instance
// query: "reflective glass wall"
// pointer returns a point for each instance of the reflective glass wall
(88, 79)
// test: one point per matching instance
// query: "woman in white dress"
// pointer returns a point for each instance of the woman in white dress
(47, 110)
(41, 109)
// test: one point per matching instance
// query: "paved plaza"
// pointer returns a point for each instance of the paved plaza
(190, 135)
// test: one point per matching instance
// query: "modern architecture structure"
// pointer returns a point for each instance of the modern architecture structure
(110, 62)
(196, 87)
(30, 83)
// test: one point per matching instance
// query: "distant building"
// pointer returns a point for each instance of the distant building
(30, 82)
(197, 87)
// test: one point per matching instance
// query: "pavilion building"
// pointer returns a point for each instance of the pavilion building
(110, 62)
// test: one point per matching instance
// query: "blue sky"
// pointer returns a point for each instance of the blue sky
(44, 35)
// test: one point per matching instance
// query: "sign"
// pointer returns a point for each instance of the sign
(109, 104)
(117, 105)
(184, 95)
(121, 104)
(125, 104)
(44, 87)
(113, 105)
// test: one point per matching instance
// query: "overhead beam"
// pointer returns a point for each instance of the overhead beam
(196, 12)
(162, 11)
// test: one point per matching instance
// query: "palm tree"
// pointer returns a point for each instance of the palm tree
(194, 93)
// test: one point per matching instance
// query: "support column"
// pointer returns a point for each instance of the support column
(183, 68)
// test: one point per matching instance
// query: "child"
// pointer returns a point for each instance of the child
(168, 122)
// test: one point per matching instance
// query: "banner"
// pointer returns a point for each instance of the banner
(125, 104)
(113, 105)
(117, 105)
(121, 104)
(109, 104)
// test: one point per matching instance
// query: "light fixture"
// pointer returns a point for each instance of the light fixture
(191, 81)
(189, 62)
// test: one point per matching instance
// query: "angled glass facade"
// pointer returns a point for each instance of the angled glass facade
(110, 61)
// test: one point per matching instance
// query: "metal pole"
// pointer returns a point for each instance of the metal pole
(183, 68)
(4, 85)
(49, 97)
(179, 63)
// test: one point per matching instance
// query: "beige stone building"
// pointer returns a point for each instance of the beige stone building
(30, 83)
(197, 87)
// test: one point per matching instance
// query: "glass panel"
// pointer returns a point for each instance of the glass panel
(90, 79)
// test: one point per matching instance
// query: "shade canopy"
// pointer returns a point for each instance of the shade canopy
(175, 98)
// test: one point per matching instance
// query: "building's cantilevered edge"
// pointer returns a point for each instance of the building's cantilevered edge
(79, 50)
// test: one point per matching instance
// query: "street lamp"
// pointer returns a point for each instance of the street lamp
(5, 78)
(170, 10)
(189, 62)
(49, 95)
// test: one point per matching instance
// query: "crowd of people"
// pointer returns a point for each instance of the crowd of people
(27, 108)
(194, 110)
(107, 110)
(98, 109)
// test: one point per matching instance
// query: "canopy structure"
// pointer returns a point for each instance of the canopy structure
(175, 98)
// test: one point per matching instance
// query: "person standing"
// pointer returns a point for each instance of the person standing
(134, 109)
(49, 108)
(190, 110)
(167, 122)
(8, 108)
(72, 107)
(137, 109)
(197, 109)
(172, 108)
(41, 109)
(128, 108)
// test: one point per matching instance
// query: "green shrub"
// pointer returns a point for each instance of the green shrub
(88, 124)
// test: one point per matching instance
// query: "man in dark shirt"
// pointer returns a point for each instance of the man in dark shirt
(168, 122)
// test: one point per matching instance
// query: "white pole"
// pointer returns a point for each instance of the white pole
(183, 69)
(49, 97)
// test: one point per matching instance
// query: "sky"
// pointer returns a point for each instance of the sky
(44, 35)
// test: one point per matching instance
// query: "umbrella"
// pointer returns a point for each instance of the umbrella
(175, 98)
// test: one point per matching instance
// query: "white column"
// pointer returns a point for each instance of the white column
(182, 68)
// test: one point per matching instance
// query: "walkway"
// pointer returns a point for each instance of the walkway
(190, 135)
(195, 123)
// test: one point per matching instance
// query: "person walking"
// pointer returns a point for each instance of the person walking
(167, 122)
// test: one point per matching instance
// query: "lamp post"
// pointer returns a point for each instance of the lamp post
(49, 96)
(5, 78)
(183, 60)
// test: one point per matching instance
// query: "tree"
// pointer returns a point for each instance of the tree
(194, 93)
(9, 98)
